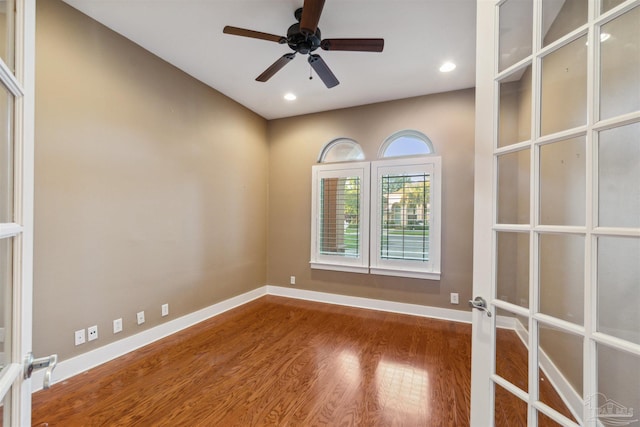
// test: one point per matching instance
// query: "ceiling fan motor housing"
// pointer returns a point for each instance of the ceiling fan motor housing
(301, 43)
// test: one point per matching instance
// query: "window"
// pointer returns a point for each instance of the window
(341, 150)
(340, 223)
(398, 233)
(406, 143)
(405, 217)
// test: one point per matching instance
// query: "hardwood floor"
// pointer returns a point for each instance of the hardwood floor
(279, 362)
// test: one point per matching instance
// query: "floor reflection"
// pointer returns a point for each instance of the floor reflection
(349, 367)
(402, 388)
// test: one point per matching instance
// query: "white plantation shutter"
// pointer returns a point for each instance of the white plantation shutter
(340, 217)
(405, 211)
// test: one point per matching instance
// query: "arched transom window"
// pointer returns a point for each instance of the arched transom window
(406, 143)
(341, 150)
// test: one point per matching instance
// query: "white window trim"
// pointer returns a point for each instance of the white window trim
(419, 270)
(350, 264)
(369, 260)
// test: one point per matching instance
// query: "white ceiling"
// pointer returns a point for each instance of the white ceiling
(419, 36)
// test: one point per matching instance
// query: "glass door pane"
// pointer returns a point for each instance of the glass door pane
(618, 397)
(618, 287)
(6, 155)
(513, 187)
(511, 355)
(560, 17)
(6, 415)
(512, 275)
(620, 65)
(564, 88)
(563, 182)
(515, 32)
(514, 118)
(619, 177)
(7, 30)
(561, 286)
(6, 285)
(607, 5)
(560, 368)
(510, 410)
(545, 421)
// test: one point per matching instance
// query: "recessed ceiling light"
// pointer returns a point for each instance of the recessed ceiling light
(603, 38)
(447, 66)
(290, 97)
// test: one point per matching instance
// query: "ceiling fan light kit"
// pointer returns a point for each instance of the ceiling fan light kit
(304, 37)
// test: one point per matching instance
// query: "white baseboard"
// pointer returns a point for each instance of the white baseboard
(372, 304)
(567, 393)
(79, 364)
(505, 322)
(82, 363)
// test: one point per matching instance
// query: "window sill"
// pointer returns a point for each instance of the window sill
(429, 275)
(413, 274)
(338, 267)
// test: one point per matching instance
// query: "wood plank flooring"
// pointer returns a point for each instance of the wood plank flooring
(279, 362)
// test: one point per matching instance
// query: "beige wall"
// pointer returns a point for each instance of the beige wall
(151, 187)
(295, 143)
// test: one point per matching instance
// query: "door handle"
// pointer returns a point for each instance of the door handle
(480, 304)
(31, 364)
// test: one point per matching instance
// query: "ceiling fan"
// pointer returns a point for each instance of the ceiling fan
(304, 37)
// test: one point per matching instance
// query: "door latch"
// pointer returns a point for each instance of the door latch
(31, 364)
(480, 304)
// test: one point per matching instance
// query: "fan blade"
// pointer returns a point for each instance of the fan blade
(311, 11)
(235, 31)
(275, 67)
(359, 45)
(322, 69)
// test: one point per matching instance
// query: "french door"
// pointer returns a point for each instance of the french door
(557, 214)
(17, 36)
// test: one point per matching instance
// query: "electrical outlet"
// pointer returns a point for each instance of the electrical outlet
(140, 316)
(92, 333)
(117, 325)
(292, 280)
(165, 310)
(454, 298)
(80, 337)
